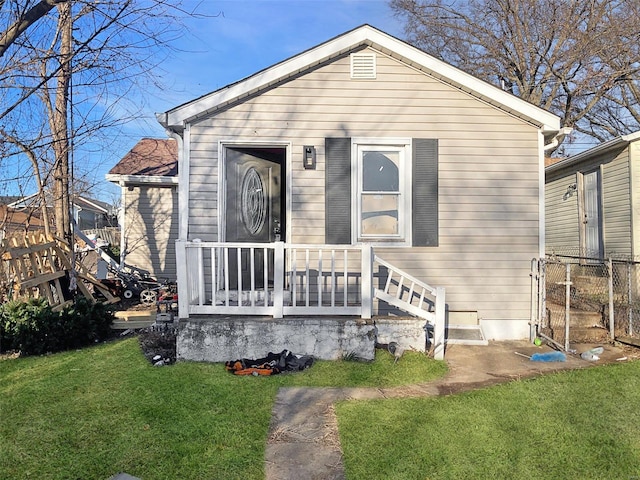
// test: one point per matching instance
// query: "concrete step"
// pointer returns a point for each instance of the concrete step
(581, 319)
(578, 318)
(126, 320)
(588, 335)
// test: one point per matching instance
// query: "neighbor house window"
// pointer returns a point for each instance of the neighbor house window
(383, 193)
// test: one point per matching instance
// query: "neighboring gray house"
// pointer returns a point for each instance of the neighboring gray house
(593, 201)
(361, 142)
(148, 179)
(88, 213)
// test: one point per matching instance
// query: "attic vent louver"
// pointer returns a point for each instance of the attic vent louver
(363, 65)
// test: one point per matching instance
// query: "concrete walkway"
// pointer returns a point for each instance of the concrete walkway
(303, 441)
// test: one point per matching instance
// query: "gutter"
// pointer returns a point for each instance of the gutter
(563, 132)
(618, 142)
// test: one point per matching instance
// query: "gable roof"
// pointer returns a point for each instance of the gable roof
(358, 38)
(78, 201)
(151, 160)
(615, 143)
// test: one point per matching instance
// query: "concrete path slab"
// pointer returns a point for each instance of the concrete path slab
(303, 441)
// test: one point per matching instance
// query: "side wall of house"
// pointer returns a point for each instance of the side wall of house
(151, 229)
(563, 214)
(488, 174)
(634, 166)
(616, 205)
(562, 232)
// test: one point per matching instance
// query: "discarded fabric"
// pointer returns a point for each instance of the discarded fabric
(545, 357)
(272, 364)
(549, 357)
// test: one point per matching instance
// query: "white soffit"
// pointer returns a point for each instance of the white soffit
(141, 179)
(361, 36)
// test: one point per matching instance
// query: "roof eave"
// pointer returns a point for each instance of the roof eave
(126, 180)
(366, 35)
(618, 142)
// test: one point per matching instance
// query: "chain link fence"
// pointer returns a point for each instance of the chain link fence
(585, 300)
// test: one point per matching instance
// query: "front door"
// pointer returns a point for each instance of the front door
(254, 189)
(592, 219)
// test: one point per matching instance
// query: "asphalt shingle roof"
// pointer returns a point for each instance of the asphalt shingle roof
(150, 157)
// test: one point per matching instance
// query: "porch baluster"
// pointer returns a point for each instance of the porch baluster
(307, 287)
(200, 276)
(239, 276)
(278, 276)
(265, 275)
(294, 277)
(252, 272)
(226, 276)
(320, 277)
(346, 277)
(332, 285)
(214, 279)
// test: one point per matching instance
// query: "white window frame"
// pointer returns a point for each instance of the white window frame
(403, 147)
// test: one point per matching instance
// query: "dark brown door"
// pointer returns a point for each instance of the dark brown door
(253, 209)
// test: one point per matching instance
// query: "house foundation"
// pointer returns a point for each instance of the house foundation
(222, 338)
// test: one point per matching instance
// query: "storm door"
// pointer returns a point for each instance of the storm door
(592, 243)
(254, 208)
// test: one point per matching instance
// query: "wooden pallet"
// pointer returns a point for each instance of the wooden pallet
(40, 265)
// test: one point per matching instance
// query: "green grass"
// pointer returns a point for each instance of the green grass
(92, 413)
(573, 425)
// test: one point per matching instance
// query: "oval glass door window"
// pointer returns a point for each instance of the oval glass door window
(254, 201)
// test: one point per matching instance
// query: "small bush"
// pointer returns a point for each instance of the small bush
(33, 328)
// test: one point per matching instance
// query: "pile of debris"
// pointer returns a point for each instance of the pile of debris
(158, 345)
(40, 265)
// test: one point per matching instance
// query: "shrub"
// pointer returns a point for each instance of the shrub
(33, 328)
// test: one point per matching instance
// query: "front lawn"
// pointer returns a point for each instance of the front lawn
(571, 425)
(92, 413)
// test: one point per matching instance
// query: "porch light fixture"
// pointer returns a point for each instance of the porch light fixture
(570, 191)
(309, 157)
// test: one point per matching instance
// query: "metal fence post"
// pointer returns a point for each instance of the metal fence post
(612, 334)
(534, 320)
(542, 301)
(629, 301)
(567, 306)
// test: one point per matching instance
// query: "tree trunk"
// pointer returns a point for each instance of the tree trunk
(60, 128)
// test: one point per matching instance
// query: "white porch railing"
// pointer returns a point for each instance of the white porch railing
(280, 279)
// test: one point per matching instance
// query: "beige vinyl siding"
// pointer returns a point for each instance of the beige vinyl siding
(151, 229)
(616, 203)
(488, 173)
(562, 222)
(634, 166)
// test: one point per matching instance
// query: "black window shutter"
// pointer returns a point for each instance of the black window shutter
(424, 202)
(338, 190)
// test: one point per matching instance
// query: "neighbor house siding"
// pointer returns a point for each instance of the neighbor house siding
(634, 167)
(562, 223)
(151, 228)
(616, 201)
(488, 173)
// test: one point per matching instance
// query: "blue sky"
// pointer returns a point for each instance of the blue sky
(239, 38)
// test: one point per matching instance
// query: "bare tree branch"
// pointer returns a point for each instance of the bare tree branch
(570, 57)
(11, 34)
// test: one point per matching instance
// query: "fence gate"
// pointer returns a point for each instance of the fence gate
(585, 300)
